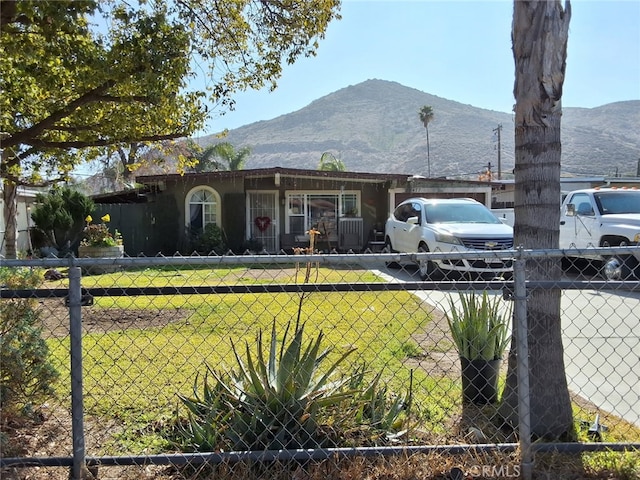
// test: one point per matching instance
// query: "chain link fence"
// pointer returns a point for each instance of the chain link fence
(224, 360)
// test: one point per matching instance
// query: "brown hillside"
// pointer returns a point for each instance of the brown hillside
(374, 126)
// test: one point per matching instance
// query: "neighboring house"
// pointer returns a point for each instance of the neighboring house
(273, 206)
(25, 201)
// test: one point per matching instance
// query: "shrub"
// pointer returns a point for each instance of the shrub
(208, 240)
(19, 278)
(59, 216)
(26, 374)
(252, 245)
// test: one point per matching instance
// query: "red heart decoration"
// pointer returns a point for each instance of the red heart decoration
(262, 223)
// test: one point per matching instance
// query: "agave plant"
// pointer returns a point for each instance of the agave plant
(208, 416)
(478, 328)
(376, 406)
(271, 403)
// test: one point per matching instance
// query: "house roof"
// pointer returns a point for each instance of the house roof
(131, 195)
(365, 177)
(271, 171)
(151, 183)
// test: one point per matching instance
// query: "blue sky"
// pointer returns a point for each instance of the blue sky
(458, 50)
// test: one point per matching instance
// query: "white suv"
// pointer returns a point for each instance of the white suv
(450, 225)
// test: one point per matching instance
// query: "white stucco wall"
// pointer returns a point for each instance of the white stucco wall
(26, 199)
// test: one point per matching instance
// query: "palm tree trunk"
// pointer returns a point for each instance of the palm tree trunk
(540, 32)
(537, 210)
(428, 156)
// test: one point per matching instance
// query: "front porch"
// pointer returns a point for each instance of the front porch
(348, 237)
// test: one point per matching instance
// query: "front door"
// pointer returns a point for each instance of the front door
(262, 208)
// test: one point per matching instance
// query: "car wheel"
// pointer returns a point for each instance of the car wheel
(426, 268)
(388, 248)
(618, 267)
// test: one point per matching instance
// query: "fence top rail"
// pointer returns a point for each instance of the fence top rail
(506, 287)
(262, 288)
(322, 258)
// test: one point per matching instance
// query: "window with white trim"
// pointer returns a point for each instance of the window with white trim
(202, 208)
(320, 210)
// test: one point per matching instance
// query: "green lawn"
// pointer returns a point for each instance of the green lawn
(134, 375)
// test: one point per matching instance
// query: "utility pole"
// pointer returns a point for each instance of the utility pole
(498, 129)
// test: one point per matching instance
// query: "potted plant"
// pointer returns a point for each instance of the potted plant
(99, 242)
(480, 330)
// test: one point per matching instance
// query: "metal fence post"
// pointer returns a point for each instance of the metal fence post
(77, 406)
(522, 359)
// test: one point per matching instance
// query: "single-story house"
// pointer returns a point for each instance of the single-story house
(273, 207)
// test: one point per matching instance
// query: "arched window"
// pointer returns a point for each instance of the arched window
(202, 208)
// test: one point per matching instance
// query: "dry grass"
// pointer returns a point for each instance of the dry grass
(433, 465)
(422, 466)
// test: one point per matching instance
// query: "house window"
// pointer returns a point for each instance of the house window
(320, 210)
(203, 208)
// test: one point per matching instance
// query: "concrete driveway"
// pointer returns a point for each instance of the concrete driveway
(601, 336)
(602, 349)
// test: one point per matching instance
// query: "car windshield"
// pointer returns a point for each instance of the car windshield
(611, 203)
(459, 213)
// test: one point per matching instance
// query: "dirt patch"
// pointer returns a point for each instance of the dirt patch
(55, 318)
(437, 354)
(288, 275)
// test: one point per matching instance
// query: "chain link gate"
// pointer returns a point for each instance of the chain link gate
(167, 360)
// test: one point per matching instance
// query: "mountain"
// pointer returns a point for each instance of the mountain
(374, 126)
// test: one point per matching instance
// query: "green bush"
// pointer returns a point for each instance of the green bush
(60, 216)
(19, 278)
(252, 245)
(26, 374)
(208, 240)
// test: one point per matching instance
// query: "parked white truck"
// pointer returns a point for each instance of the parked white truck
(603, 217)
